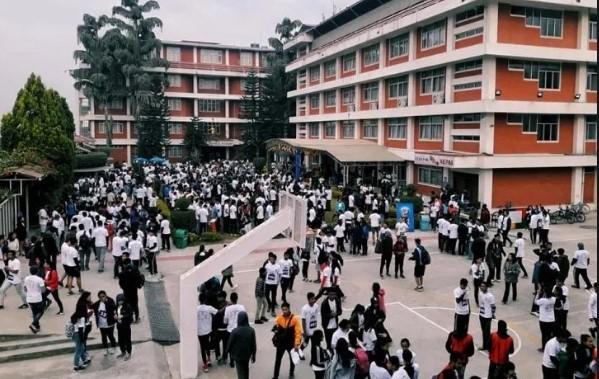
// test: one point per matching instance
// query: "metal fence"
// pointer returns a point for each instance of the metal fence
(9, 209)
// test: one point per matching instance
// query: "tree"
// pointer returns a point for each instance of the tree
(251, 110)
(41, 122)
(195, 138)
(152, 122)
(286, 29)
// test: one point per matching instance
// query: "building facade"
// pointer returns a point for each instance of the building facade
(495, 97)
(206, 80)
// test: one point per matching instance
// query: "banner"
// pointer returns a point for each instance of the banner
(406, 211)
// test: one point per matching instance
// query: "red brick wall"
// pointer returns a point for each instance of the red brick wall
(589, 188)
(186, 85)
(591, 97)
(524, 186)
(186, 109)
(468, 95)
(468, 147)
(187, 54)
(119, 153)
(465, 42)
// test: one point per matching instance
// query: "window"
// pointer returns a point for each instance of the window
(175, 104)
(315, 73)
(209, 106)
(173, 54)
(467, 86)
(532, 17)
(175, 152)
(432, 81)
(370, 91)
(397, 128)
(174, 80)
(466, 118)
(398, 87)
(213, 128)
(517, 11)
(469, 33)
(370, 128)
(330, 68)
(330, 129)
(431, 176)
(209, 83)
(370, 55)
(117, 128)
(347, 128)
(246, 58)
(175, 128)
(549, 75)
(211, 56)
(547, 128)
(469, 66)
(330, 99)
(466, 138)
(399, 46)
(314, 101)
(432, 35)
(348, 95)
(469, 14)
(116, 104)
(529, 123)
(349, 62)
(592, 77)
(314, 130)
(242, 84)
(430, 128)
(593, 27)
(551, 23)
(591, 128)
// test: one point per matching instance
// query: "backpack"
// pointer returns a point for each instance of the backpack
(378, 248)
(425, 257)
(283, 336)
(69, 329)
(84, 241)
(362, 362)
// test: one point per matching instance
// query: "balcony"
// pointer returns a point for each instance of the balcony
(218, 67)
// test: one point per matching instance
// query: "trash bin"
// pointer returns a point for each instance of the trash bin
(180, 238)
(425, 222)
(212, 225)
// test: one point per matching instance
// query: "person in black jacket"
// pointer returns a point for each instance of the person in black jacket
(330, 310)
(124, 319)
(319, 357)
(105, 312)
(462, 238)
(130, 281)
(386, 242)
(478, 247)
(242, 346)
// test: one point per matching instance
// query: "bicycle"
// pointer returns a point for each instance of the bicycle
(582, 207)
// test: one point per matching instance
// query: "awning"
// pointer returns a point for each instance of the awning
(26, 172)
(342, 150)
(230, 142)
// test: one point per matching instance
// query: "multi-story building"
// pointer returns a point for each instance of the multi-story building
(495, 97)
(206, 80)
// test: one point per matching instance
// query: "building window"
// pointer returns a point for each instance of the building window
(209, 106)
(591, 128)
(399, 46)
(469, 33)
(175, 104)
(467, 86)
(592, 77)
(430, 176)
(528, 121)
(246, 58)
(315, 73)
(175, 152)
(466, 138)
(467, 118)
(314, 130)
(173, 54)
(397, 128)
(549, 21)
(547, 128)
(398, 87)
(432, 81)
(430, 128)
(370, 91)
(370, 55)
(469, 14)
(116, 103)
(213, 128)
(348, 95)
(432, 35)
(547, 73)
(174, 80)
(117, 128)
(211, 56)
(370, 128)
(175, 128)
(476, 64)
(330, 129)
(242, 84)
(349, 62)
(209, 83)
(330, 99)
(314, 101)
(348, 129)
(330, 69)
(593, 27)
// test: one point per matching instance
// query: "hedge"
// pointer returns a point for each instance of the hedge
(182, 204)
(183, 219)
(103, 149)
(163, 208)
(211, 237)
(89, 160)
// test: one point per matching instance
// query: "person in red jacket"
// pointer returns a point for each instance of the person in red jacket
(51, 282)
(502, 345)
(453, 368)
(461, 344)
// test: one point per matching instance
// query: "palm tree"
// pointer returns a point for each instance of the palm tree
(286, 30)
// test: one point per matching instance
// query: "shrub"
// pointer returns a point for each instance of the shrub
(183, 219)
(391, 222)
(103, 149)
(193, 238)
(163, 208)
(89, 160)
(328, 217)
(182, 204)
(336, 192)
(259, 163)
(210, 237)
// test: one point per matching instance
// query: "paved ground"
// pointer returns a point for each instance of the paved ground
(424, 318)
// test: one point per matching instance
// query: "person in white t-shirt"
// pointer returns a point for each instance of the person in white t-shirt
(43, 219)
(231, 312)
(551, 350)
(581, 262)
(546, 303)
(401, 228)
(486, 303)
(152, 250)
(520, 247)
(135, 248)
(100, 237)
(34, 287)
(452, 234)
(375, 226)
(378, 368)
(286, 265)
(205, 313)
(12, 270)
(165, 234)
(273, 278)
(461, 306)
(259, 214)
(310, 314)
(340, 236)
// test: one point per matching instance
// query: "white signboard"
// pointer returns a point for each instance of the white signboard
(433, 160)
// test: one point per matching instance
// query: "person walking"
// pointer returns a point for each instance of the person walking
(152, 250)
(205, 313)
(581, 262)
(460, 343)
(546, 302)
(478, 271)
(562, 304)
(461, 306)
(493, 259)
(242, 345)
(288, 336)
(119, 246)
(552, 349)
(421, 259)
(519, 246)
(286, 265)
(79, 319)
(386, 243)
(124, 319)
(130, 281)
(51, 282)
(502, 345)
(400, 248)
(273, 278)
(592, 309)
(506, 226)
(319, 357)
(100, 238)
(12, 272)
(330, 310)
(105, 312)
(511, 272)
(260, 295)
(165, 234)
(34, 287)
(564, 265)
(310, 314)
(230, 319)
(486, 302)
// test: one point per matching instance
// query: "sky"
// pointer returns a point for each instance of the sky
(40, 36)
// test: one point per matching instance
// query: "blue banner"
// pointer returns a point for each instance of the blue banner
(298, 164)
(405, 211)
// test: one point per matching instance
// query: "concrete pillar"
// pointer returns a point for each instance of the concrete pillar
(320, 130)
(321, 101)
(410, 167)
(381, 132)
(382, 91)
(383, 53)
(488, 84)
(129, 153)
(338, 68)
(583, 29)
(447, 121)
(195, 55)
(577, 184)
(195, 84)
(195, 107)
(92, 130)
(358, 61)
(410, 133)
(412, 89)
(413, 44)
(338, 130)
(227, 132)
(357, 127)
(357, 98)
(226, 57)
(449, 83)
(491, 21)
(579, 134)
(485, 187)
(338, 100)
(449, 37)
(227, 153)
(226, 85)
(227, 110)
(486, 144)
(321, 73)
(256, 59)
(581, 82)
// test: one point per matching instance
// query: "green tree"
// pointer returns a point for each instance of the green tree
(286, 30)
(152, 122)
(195, 138)
(251, 110)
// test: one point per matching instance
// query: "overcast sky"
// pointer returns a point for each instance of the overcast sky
(40, 36)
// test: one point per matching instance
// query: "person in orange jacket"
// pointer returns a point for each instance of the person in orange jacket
(288, 336)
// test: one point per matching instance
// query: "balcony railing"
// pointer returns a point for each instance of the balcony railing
(214, 67)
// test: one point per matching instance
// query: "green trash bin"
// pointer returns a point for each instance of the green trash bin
(180, 238)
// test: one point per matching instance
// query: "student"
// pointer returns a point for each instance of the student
(520, 250)
(343, 364)
(581, 262)
(230, 316)
(584, 356)
(378, 367)
(330, 310)
(105, 312)
(152, 250)
(273, 278)
(51, 282)
(310, 314)
(486, 302)
(289, 329)
(562, 304)
(342, 332)
(124, 319)
(400, 248)
(409, 369)
(450, 371)
(592, 309)
(12, 271)
(34, 286)
(478, 272)
(460, 343)
(286, 265)
(511, 272)
(165, 234)
(80, 319)
(340, 236)
(550, 354)
(260, 295)
(546, 302)
(100, 238)
(205, 313)
(421, 259)
(502, 345)
(461, 306)
(242, 345)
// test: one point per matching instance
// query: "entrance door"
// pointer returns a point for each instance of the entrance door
(468, 182)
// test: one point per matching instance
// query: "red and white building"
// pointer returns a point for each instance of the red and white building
(496, 97)
(206, 80)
